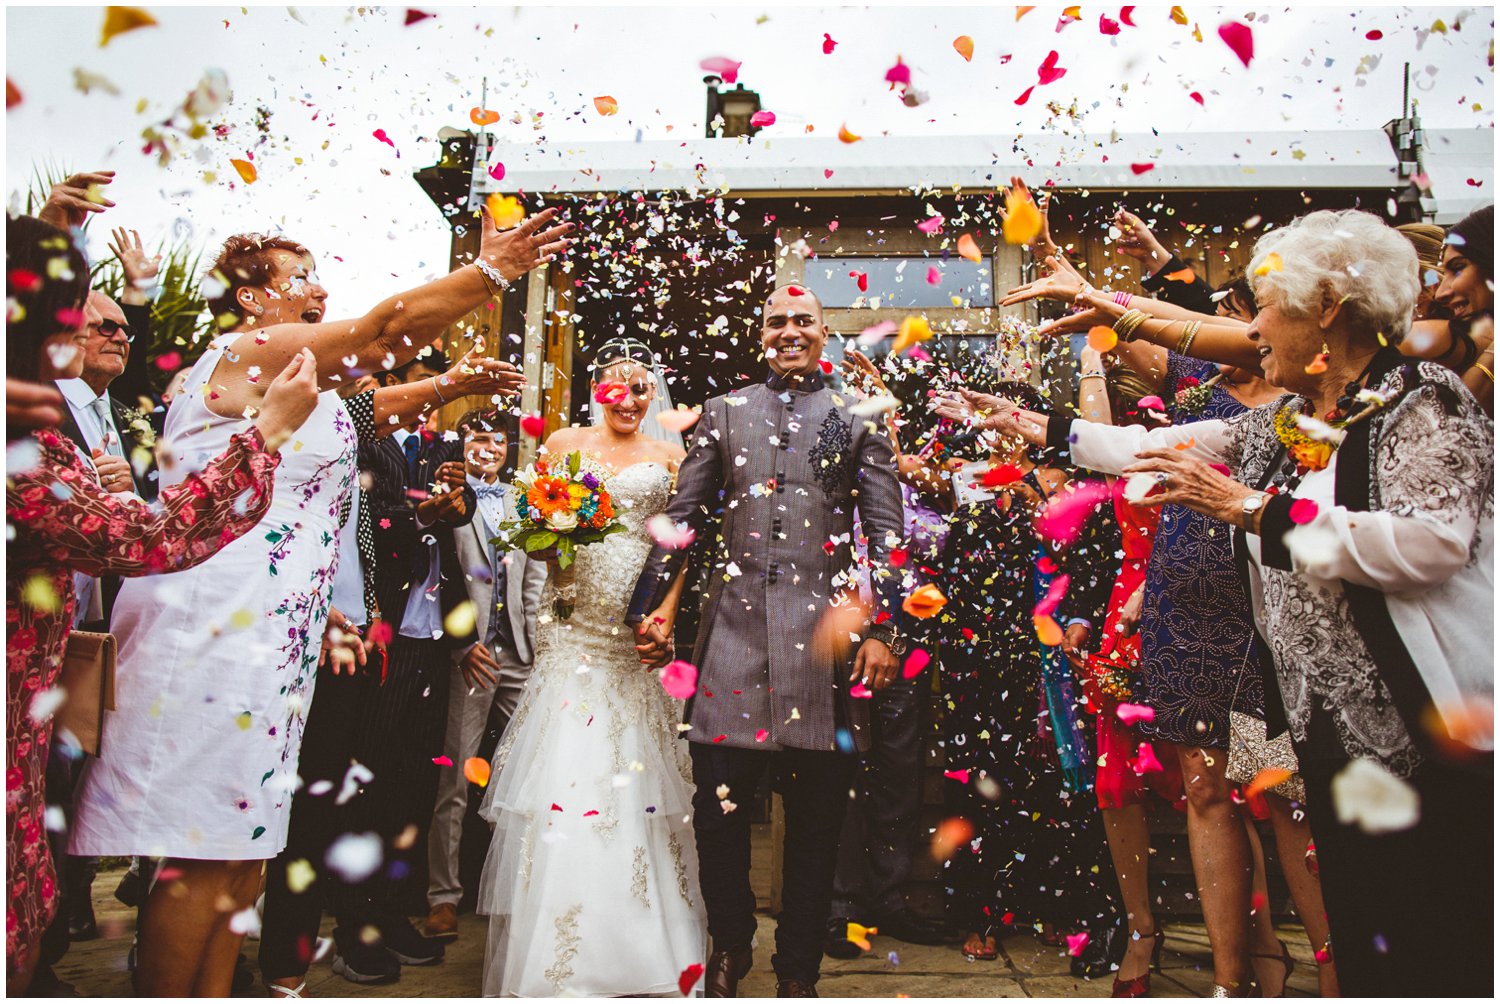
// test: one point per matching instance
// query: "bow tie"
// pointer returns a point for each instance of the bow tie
(491, 491)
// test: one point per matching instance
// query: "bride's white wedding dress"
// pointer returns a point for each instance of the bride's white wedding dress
(591, 883)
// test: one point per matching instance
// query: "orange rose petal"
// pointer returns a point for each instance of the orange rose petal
(1186, 445)
(606, 104)
(247, 170)
(967, 248)
(477, 771)
(483, 116)
(845, 136)
(925, 602)
(1182, 275)
(952, 833)
(1102, 338)
(964, 46)
(1265, 779)
(1047, 630)
(118, 20)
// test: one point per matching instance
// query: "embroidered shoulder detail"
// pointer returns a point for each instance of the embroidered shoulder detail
(833, 456)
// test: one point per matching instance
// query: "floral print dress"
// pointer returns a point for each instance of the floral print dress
(217, 664)
(61, 521)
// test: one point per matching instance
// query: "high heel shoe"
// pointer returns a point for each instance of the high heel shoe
(1285, 958)
(1140, 986)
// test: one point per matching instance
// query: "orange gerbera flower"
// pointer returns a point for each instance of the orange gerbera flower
(548, 495)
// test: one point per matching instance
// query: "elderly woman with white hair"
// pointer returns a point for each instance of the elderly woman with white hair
(1362, 503)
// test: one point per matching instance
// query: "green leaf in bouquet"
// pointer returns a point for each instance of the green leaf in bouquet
(566, 551)
(539, 540)
(575, 460)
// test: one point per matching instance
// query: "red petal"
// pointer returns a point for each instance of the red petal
(1237, 35)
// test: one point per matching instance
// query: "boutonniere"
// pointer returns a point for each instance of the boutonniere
(138, 423)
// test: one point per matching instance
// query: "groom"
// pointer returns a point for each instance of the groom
(791, 465)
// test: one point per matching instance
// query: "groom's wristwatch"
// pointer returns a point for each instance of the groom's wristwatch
(887, 636)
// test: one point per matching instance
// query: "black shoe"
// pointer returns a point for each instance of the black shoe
(84, 929)
(838, 945)
(1102, 955)
(408, 947)
(366, 964)
(132, 888)
(244, 976)
(796, 988)
(908, 927)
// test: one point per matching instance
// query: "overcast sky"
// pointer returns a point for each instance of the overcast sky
(331, 77)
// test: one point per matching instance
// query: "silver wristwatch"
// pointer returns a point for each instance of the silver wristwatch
(1251, 504)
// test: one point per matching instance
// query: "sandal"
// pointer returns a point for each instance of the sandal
(1285, 958)
(985, 953)
(272, 989)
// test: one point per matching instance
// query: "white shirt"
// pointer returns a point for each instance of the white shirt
(81, 397)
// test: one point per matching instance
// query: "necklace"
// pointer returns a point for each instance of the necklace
(1310, 442)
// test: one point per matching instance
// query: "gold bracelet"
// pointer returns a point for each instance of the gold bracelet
(1189, 332)
(1485, 370)
(1129, 321)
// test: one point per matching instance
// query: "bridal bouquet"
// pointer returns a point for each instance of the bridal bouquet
(563, 505)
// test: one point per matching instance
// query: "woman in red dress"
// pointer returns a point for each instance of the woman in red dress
(1128, 767)
(60, 521)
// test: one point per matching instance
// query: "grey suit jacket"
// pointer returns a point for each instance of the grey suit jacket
(793, 466)
(524, 579)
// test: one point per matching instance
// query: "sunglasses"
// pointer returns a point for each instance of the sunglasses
(108, 328)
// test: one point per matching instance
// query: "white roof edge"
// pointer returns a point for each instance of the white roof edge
(1202, 160)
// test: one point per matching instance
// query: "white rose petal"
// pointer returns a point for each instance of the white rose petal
(877, 404)
(46, 703)
(354, 857)
(1367, 794)
(247, 921)
(1138, 486)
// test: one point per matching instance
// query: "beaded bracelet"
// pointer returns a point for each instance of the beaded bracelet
(1189, 332)
(492, 275)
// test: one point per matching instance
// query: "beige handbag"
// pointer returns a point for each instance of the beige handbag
(1250, 751)
(88, 679)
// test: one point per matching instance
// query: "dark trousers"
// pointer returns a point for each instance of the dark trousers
(75, 875)
(1412, 912)
(397, 739)
(289, 931)
(880, 830)
(814, 789)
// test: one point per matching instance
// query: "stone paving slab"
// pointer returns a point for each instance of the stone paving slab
(1026, 967)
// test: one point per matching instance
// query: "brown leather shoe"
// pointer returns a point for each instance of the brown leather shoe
(795, 988)
(442, 922)
(725, 970)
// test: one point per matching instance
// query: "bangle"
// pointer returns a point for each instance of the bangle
(492, 275)
(437, 390)
(1189, 332)
(1481, 367)
(1091, 375)
(1123, 298)
(1129, 321)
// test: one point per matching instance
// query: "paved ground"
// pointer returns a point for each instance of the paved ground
(1026, 968)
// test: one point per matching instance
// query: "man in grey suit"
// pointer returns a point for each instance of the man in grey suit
(492, 661)
(790, 465)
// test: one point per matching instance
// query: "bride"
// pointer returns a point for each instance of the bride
(591, 880)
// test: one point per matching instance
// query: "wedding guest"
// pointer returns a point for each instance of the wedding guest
(1371, 571)
(493, 660)
(350, 672)
(62, 522)
(1467, 291)
(1020, 776)
(1164, 273)
(880, 838)
(202, 762)
(417, 585)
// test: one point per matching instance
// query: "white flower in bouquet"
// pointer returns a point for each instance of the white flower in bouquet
(562, 520)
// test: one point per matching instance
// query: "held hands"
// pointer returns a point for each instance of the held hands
(521, 249)
(653, 639)
(289, 399)
(139, 268)
(479, 667)
(874, 665)
(446, 504)
(68, 205)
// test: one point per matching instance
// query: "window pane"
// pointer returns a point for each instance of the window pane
(900, 283)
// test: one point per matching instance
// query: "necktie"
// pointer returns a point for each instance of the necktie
(413, 446)
(110, 441)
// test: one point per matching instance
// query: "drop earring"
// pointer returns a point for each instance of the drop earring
(1319, 363)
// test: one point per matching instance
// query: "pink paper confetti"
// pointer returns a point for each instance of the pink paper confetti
(915, 663)
(679, 679)
(761, 735)
(961, 776)
(1076, 942)
(497, 171)
(1064, 515)
(1237, 35)
(934, 277)
(723, 67)
(931, 225)
(828, 44)
(898, 74)
(380, 135)
(1055, 593)
(1132, 714)
(1303, 511)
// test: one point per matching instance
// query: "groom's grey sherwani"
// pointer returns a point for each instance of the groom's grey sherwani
(793, 466)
